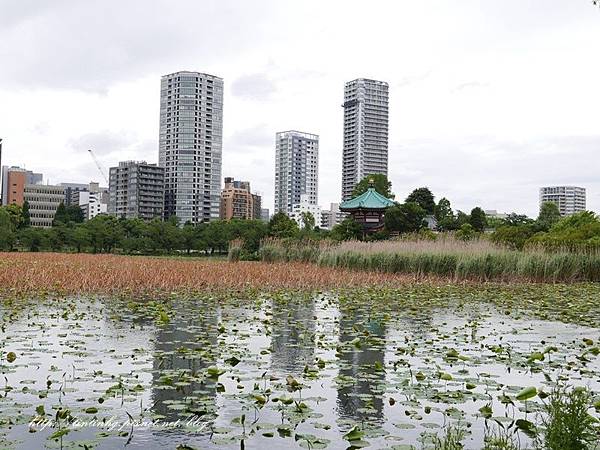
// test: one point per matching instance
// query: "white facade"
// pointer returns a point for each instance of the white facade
(569, 199)
(365, 147)
(296, 169)
(92, 204)
(305, 206)
(190, 145)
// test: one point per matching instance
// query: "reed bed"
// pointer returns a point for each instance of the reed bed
(477, 260)
(38, 273)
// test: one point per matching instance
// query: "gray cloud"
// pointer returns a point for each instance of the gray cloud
(254, 87)
(495, 173)
(103, 142)
(470, 85)
(90, 45)
(257, 136)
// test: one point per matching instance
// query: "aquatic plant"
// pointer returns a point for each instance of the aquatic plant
(567, 423)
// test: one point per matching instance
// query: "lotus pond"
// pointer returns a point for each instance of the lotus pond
(377, 368)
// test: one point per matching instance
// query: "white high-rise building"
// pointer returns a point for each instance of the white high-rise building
(365, 150)
(304, 206)
(296, 169)
(190, 145)
(569, 199)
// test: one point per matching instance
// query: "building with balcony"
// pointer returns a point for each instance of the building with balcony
(136, 190)
(365, 146)
(238, 202)
(569, 199)
(190, 145)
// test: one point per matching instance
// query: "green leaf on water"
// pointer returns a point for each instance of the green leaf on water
(354, 434)
(526, 393)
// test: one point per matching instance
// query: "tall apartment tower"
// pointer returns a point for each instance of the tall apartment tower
(569, 199)
(296, 169)
(365, 149)
(136, 190)
(190, 145)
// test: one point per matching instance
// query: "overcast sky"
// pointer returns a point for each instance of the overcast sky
(489, 99)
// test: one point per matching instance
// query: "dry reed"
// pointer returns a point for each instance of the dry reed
(34, 273)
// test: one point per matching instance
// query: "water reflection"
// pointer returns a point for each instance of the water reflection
(362, 362)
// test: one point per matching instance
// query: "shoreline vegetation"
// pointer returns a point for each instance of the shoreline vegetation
(80, 273)
(446, 257)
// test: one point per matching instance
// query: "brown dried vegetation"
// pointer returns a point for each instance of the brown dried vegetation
(34, 273)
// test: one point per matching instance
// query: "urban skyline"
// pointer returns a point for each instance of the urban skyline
(466, 102)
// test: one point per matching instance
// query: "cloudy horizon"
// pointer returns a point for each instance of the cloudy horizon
(488, 100)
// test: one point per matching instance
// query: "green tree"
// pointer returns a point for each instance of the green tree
(308, 221)
(7, 233)
(67, 214)
(380, 183)
(549, 215)
(80, 238)
(216, 236)
(25, 215)
(32, 238)
(281, 226)
(477, 219)
(16, 215)
(424, 198)
(406, 218)
(346, 230)
(60, 216)
(466, 232)
(514, 236)
(444, 215)
(514, 220)
(105, 233)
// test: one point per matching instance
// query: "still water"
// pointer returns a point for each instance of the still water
(285, 371)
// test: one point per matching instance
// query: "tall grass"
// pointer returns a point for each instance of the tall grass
(477, 260)
(567, 423)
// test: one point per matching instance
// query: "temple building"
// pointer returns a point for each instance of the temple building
(368, 209)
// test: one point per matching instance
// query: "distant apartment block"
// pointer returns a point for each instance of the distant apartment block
(305, 206)
(569, 199)
(365, 146)
(14, 180)
(136, 190)
(331, 217)
(296, 169)
(238, 202)
(494, 214)
(43, 202)
(73, 196)
(190, 145)
(265, 215)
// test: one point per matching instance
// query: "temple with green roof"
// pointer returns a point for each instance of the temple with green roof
(368, 209)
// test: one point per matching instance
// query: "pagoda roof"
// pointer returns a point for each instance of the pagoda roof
(371, 199)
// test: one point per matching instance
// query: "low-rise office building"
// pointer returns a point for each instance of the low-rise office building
(43, 202)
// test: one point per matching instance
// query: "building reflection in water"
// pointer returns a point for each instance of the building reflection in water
(361, 368)
(292, 338)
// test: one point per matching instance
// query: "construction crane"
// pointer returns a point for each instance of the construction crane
(98, 165)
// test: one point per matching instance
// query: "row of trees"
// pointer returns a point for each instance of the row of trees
(419, 211)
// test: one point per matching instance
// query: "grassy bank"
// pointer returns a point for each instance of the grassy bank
(478, 260)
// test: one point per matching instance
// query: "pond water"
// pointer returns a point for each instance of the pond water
(284, 371)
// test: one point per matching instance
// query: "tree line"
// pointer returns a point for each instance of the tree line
(419, 213)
